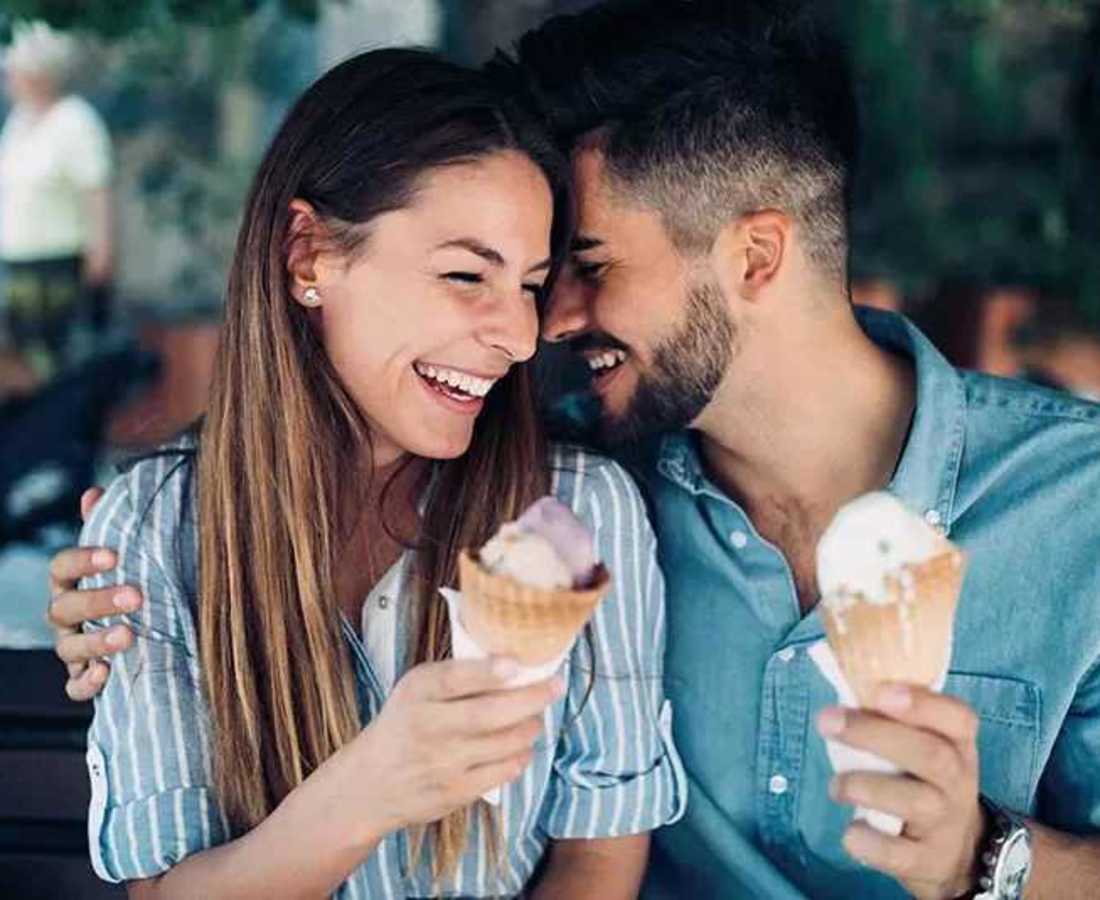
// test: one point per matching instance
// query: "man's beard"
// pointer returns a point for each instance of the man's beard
(687, 368)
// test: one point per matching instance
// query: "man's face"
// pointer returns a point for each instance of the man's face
(654, 328)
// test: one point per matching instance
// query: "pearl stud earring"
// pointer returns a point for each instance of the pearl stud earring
(311, 297)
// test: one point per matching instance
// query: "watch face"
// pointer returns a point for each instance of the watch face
(1014, 866)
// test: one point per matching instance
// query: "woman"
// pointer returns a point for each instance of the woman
(55, 203)
(370, 416)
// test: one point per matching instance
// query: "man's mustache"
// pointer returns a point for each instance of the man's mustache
(596, 340)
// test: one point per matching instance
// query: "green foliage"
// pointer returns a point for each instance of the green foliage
(115, 18)
(981, 140)
(190, 108)
(981, 120)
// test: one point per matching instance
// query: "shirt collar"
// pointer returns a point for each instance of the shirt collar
(927, 474)
(678, 460)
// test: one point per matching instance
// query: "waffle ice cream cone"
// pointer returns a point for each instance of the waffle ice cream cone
(906, 639)
(890, 584)
(531, 624)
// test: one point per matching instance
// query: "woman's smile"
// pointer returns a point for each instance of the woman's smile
(455, 389)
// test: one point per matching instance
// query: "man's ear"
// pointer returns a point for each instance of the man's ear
(305, 240)
(750, 250)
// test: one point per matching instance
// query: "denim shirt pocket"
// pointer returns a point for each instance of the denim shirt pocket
(1008, 735)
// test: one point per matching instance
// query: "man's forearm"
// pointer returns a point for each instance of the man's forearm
(305, 849)
(597, 869)
(1064, 866)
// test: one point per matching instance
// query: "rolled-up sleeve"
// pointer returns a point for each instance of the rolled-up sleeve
(616, 770)
(148, 746)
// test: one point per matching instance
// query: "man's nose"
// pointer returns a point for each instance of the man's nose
(566, 313)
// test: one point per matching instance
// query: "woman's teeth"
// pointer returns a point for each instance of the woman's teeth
(460, 385)
(606, 360)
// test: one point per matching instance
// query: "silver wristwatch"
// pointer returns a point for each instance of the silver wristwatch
(1005, 862)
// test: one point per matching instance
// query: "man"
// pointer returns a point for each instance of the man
(708, 293)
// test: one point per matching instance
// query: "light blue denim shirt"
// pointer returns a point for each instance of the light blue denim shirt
(605, 765)
(1012, 473)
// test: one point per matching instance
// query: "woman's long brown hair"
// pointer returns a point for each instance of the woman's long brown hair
(282, 437)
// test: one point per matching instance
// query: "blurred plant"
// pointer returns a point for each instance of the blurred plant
(1084, 166)
(981, 140)
(112, 19)
(981, 119)
(192, 107)
(192, 92)
(189, 88)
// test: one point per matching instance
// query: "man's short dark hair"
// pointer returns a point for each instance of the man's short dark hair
(704, 110)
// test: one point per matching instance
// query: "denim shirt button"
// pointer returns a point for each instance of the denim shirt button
(739, 539)
(786, 654)
(932, 517)
(777, 784)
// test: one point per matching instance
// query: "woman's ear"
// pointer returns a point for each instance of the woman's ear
(303, 247)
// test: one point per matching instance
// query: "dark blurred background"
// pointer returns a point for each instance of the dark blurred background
(977, 212)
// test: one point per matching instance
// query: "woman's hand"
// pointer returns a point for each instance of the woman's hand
(449, 732)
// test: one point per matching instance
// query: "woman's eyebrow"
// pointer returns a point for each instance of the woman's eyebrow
(485, 252)
(474, 246)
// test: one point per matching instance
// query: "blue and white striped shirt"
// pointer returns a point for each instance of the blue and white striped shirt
(611, 770)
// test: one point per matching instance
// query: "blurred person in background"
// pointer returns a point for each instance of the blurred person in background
(56, 247)
(877, 292)
(972, 323)
(55, 203)
(1060, 349)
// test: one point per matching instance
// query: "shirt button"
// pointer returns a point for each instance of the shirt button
(383, 602)
(932, 517)
(739, 539)
(777, 784)
(786, 654)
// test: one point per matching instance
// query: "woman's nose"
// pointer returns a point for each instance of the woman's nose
(512, 327)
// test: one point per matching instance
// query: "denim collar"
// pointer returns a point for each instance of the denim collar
(928, 472)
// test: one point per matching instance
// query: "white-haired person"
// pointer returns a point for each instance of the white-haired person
(55, 201)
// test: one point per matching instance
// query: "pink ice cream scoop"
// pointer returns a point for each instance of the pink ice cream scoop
(568, 535)
(546, 547)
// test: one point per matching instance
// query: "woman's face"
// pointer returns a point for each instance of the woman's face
(440, 303)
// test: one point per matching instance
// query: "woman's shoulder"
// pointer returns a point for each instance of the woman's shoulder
(147, 501)
(591, 483)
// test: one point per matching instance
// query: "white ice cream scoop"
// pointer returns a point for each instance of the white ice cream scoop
(527, 557)
(547, 547)
(870, 538)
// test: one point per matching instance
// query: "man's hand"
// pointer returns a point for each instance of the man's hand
(70, 608)
(932, 739)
